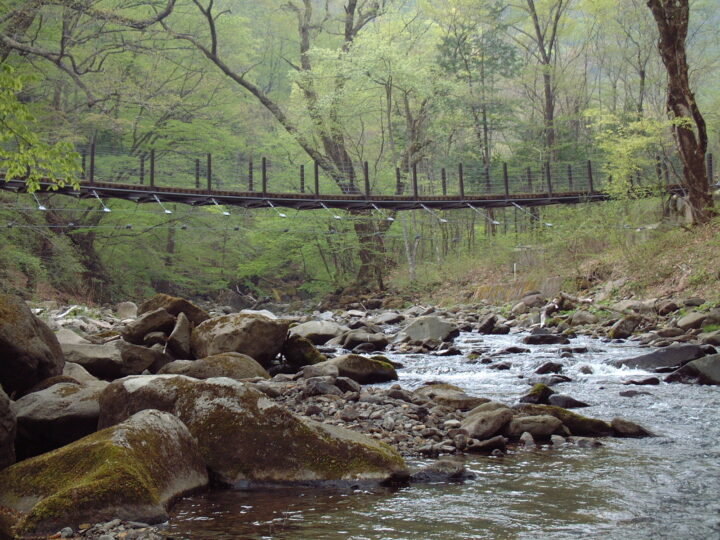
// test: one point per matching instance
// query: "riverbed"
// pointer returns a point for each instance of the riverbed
(662, 487)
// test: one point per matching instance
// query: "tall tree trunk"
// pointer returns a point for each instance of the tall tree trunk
(672, 18)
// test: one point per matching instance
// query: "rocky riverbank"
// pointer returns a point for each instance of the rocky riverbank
(255, 399)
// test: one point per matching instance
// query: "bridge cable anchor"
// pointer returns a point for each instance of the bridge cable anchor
(335, 216)
(531, 215)
(41, 206)
(484, 215)
(157, 200)
(224, 212)
(440, 219)
(104, 208)
(279, 213)
(387, 218)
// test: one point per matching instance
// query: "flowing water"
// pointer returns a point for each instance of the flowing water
(663, 487)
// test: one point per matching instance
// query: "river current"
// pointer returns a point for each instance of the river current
(662, 487)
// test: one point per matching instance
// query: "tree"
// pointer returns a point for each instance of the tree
(689, 129)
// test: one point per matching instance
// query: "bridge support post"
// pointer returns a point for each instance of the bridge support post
(250, 175)
(506, 181)
(549, 179)
(152, 167)
(84, 164)
(92, 163)
(529, 180)
(710, 168)
(414, 181)
(302, 178)
(142, 170)
(570, 177)
(398, 182)
(209, 172)
(197, 173)
(264, 176)
(590, 177)
(443, 180)
(317, 178)
(366, 177)
(461, 181)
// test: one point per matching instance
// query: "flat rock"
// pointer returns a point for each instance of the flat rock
(429, 327)
(537, 426)
(450, 396)
(692, 320)
(485, 424)
(232, 365)
(115, 359)
(625, 428)
(129, 471)
(319, 332)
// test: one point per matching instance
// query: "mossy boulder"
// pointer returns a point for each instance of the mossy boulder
(362, 369)
(248, 439)
(254, 335)
(579, 425)
(130, 471)
(299, 351)
(541, 426)
(451, 396)
(56, 416)
(115, 359)
(174, 306)
(29, 350)
(8, 426)
(539, 394)
(232, 365)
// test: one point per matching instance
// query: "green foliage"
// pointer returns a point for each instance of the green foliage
(23, 154)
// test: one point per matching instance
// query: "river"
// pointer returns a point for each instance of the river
(662, 487)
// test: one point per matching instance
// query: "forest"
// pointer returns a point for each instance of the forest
(535, 88)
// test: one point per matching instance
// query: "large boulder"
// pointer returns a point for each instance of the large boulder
(579, 425)
(29, 351)
(130, 471)
(157, 320)
(174, 306)
(319, 332)
(245, 438)
(375, 341)
(179, 339)
(299, 351)
(539, 394)
(115, 359)
(56, 416)
(450, 396)
(429, 327)
(362, 369)
(624, 328)
(485, 424)
(7, 431)
(674, 355)
(703, 371)
(538, 426)
(692, 320)
(232, 365)
(254, 335)
(77, 372)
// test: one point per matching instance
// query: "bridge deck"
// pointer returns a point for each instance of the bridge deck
(309, 201)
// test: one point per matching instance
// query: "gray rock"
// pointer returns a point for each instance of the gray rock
(674, 355)
(377, 341)
(485, 424)
(537, 426)
(443, 470)
(77, 372)
(692, 320)
(703, 371)
(624, 328)
(56, 416)
(362, 369)
(29, 350)
(179, 339)
(115, 359)
(625, 428)
(429, 327)
(450, 396)
(157, 320)
(583, 317)
(487, 324)
(549, 367)
(126, 310)
(322, 369)
(8, 426)
(320, 386)
(319, 332)
(65, 335)
(232, 365)
(566, 402)
(388, 317)
(487, 446)
(254, 335)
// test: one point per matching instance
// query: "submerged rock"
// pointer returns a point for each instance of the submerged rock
(445, 469)
(129, 471)
(625, 428)
(247, 439)
(539, 394)
(29, 350)
(674, 355)
(703, 371)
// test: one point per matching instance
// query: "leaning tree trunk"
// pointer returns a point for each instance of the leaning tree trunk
(689, 129)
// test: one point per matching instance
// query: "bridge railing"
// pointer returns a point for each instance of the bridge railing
(228, 171)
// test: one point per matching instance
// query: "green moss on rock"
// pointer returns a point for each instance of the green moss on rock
(577, 424)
